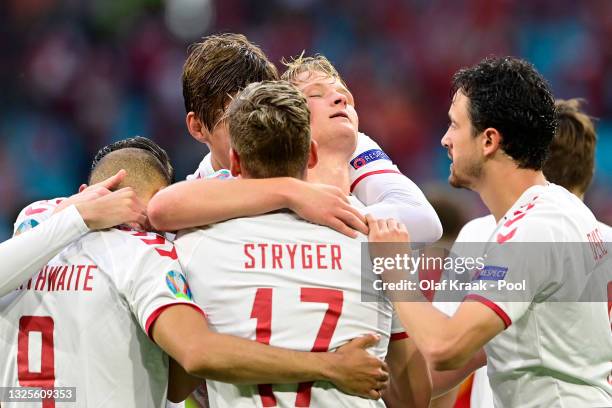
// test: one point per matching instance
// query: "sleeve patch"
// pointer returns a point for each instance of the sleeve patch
(367, 157)
(25, 226)
(178, 285)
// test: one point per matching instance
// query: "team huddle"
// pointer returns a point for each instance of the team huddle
(242, 286)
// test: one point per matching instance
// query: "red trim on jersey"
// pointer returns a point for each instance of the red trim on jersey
(491, 305)
(370, 173)
(399, 336)
(153, 316)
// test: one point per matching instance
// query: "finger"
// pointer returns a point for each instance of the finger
(391, 224)
(366, 341)
(374, 394)
(382, 376)
(380, 385)
(402, 227)
(384, 367)
(372, 224)
(342, 228)
(113, 182)
(382, 226)
(350, 219)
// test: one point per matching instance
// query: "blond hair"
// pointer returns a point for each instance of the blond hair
(300, 64)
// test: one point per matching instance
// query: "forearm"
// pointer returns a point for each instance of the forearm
(202, 202)
(421, 219)
(25, 254)
(444, 381)
(231, 359)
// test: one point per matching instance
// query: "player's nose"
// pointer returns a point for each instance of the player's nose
(340, 99)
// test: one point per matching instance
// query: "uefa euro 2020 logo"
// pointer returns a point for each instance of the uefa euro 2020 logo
(178, 285)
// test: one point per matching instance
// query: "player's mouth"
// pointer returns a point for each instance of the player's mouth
(340, 114)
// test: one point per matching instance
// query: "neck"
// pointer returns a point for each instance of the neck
(216, 164)
(502, 186)
(332, 169)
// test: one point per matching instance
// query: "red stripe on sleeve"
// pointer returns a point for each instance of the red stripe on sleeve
(399, 336)
(370, 173)
(498, 310)
(153, 316)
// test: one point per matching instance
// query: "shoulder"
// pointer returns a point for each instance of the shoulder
(35, 213)
(477, 230)
(606, 231)
(552, 214)
(133, 243)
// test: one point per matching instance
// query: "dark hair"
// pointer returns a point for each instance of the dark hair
(508, 94)
(269, 126)
(216, 69)
(142, 143)
(571, 162)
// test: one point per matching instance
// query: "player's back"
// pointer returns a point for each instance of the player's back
(285, 282)
(79, 323)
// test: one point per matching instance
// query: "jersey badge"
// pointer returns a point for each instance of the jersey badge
(491, 273)
(367, 157)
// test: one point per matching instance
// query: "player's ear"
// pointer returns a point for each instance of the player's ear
(82, 187)
(491, 141)
(235, 163)
(313, 155)
(196, 128)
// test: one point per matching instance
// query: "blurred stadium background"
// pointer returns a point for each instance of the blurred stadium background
(78, 74)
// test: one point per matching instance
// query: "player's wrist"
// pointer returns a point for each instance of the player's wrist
(290, 192)
(326, 364)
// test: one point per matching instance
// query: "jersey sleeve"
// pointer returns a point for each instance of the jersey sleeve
(34, 214)
(24, 254)
(397, 329)
(154, 280)
(379, 184)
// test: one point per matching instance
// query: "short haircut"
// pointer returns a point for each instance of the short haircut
(216, 69)
(146, 163)
(571, 162)
(508, 94)
(319, 63)
(269, 126)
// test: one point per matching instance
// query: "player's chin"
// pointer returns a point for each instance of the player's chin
(456, 181)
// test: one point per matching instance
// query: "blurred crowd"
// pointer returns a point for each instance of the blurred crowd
(79, 74)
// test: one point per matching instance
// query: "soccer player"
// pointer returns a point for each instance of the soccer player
(94, 208)
(218, 68)
(285, 281)
(83, 320)
(502, 121)
(570, 164)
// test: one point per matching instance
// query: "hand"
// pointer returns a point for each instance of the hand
(357, 372)
(388, 240)
(93, 192)
(327, 205)
(119, 207)
(388, 230)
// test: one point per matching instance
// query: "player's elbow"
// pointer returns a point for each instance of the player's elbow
(159, 212)
(433, 227)
(445, 355)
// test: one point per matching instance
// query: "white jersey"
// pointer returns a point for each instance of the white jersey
(24, 255)
(282, 281)
(378, 184)
(554, 352)
(476, 232)
(83, 321)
